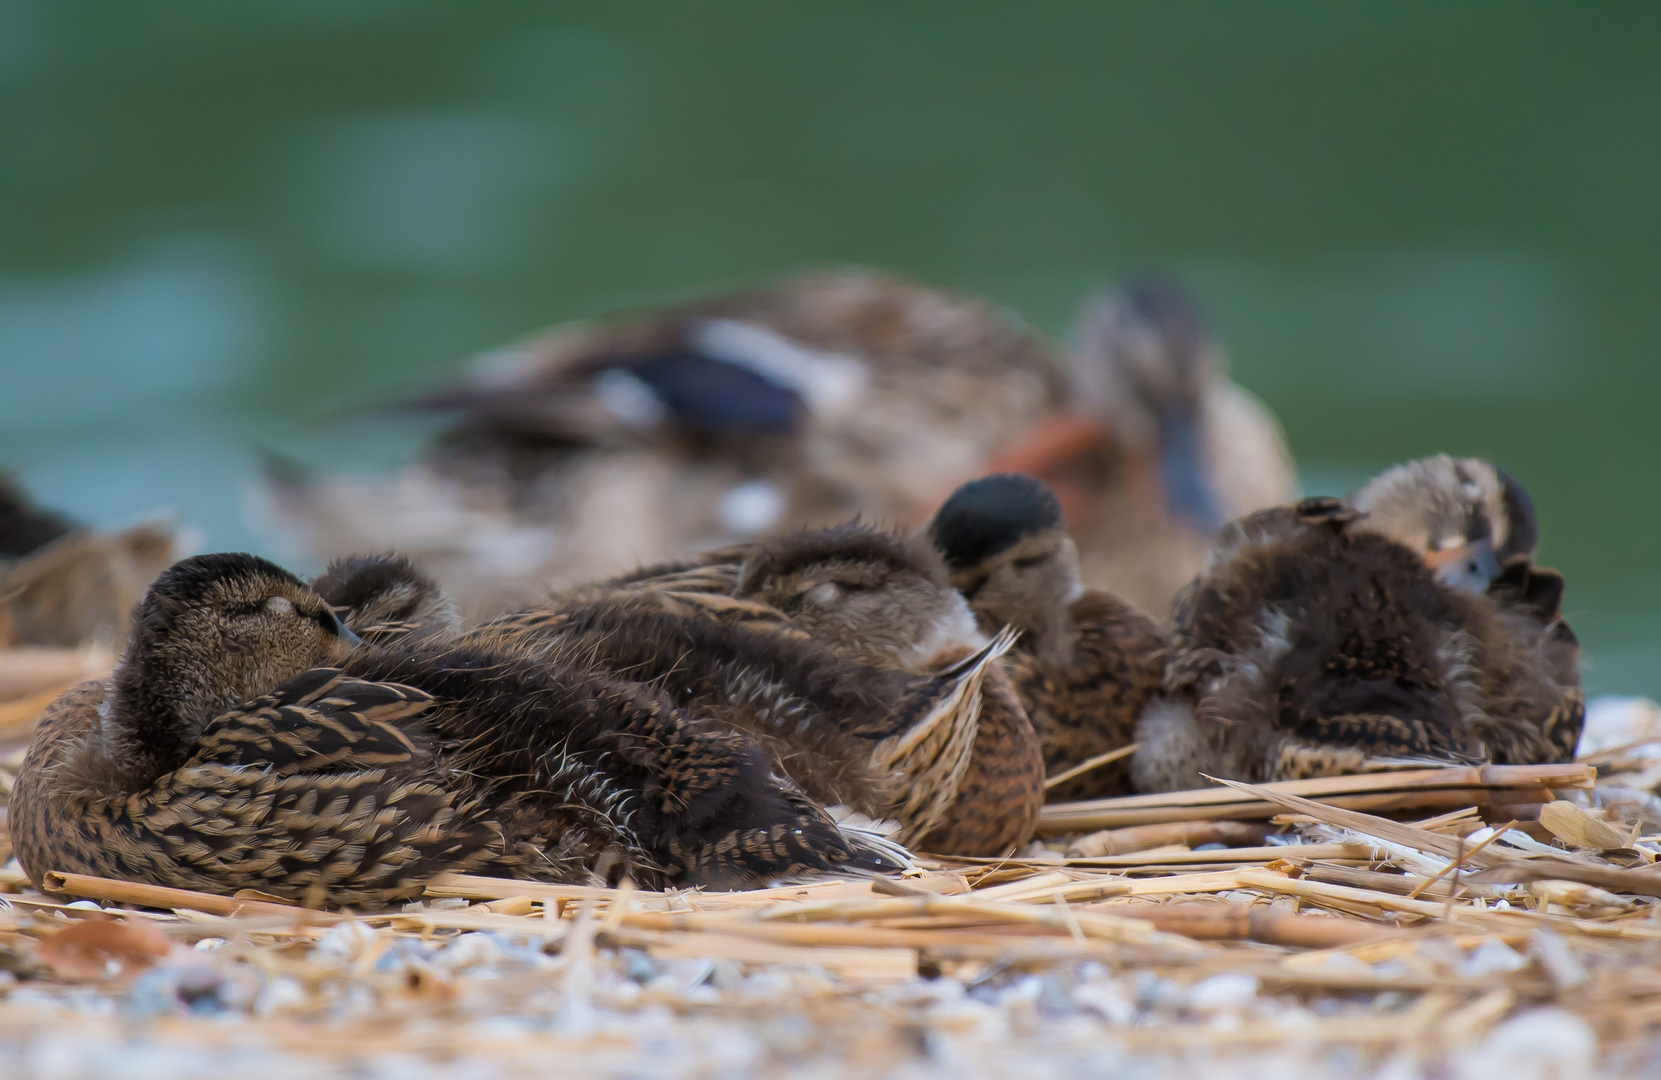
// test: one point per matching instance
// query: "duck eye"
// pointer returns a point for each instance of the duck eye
(279, 605)
(826, 592)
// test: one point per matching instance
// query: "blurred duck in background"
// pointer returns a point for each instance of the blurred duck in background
(66, 594)
(594, 448)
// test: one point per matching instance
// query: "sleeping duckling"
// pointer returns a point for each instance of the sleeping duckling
(883, 599)
(929, 747)
(385, 598)
(1312, 646)
(222, 755)
(1087, 662)
(1468, 518)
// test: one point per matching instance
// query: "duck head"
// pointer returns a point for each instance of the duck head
(1143, 362)
(1006, 545)
(873, 595)
(386, 595)
(213, 631)
(1467, 518)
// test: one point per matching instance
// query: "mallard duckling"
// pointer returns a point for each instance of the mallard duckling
(1469, 519)
(386, 598)
(1312, 646)
(878, 738)
(1086, 662)
(1154, 448)
(363, 781)
(67, 586)
(886, 600)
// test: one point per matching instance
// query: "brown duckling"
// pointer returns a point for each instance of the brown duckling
(1468, 518)
(1086, 662)
(916, 746)
(1311, 646)
(385, 598)
(364, 780)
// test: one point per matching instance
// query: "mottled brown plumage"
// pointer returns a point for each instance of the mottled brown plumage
(1312, 646)
(770, 637)
(1087, 662)
(364, 781)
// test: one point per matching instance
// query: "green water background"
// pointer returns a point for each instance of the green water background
(1419, 226)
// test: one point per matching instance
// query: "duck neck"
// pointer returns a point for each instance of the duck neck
(154, 718)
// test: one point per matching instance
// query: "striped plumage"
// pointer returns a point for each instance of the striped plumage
(245, 810)
(799, 642)
(354, 784)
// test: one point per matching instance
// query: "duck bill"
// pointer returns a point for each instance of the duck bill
(1469, 568)
(345, 640)
(1183, 476)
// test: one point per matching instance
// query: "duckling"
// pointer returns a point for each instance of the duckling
(882, 599)
(805, 403)
(1469, 519)
(387, 598)
(1087, 662)
(843, 717)
(67, 586)
(222, 755)
(1154, 448)
(1314, 646)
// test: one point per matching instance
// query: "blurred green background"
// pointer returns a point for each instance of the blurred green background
(1418, 226)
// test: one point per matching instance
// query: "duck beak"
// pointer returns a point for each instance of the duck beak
(346, 641)
(1470, 568)
(1182, 473)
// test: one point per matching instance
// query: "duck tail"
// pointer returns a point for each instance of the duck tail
(930, 754)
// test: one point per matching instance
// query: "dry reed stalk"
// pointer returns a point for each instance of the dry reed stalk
(1093, 924)
(1387, 791)
(1564, 868)
(1244, 922)
(1400, 884)
(1091, 763)
(1111, 842)
(1575, 827)
(157, 896)
(1354, 852)
(1368, 824)
(863, 964)
(474, 919)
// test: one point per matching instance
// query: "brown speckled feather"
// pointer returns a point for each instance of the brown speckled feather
(1311, 648)
(364, 836)
(1090, 707)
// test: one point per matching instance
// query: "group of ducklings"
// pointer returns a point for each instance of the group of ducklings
(755, 712)
(805, 693)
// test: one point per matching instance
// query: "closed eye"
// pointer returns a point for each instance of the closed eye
(1027, 564)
